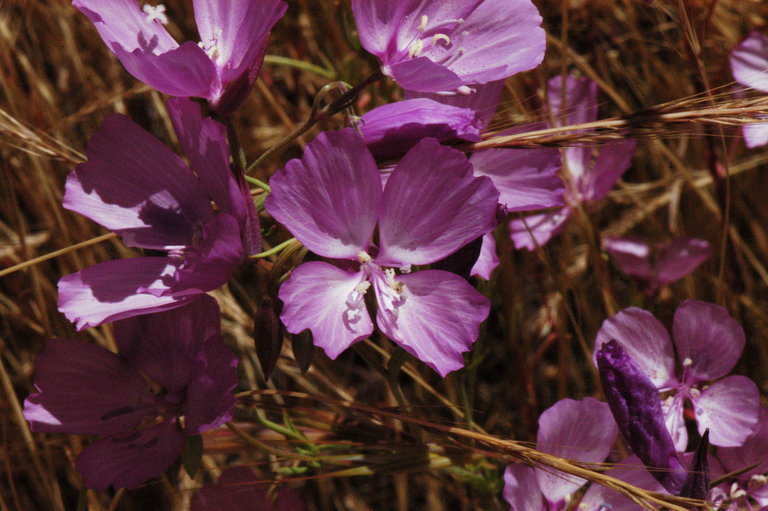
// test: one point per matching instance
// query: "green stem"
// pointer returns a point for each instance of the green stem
(300, 64)
(274, 250)
(258, 182)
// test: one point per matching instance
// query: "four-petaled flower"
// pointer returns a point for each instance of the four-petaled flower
(332, 201)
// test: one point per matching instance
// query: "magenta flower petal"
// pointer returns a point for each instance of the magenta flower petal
(521, 489)
(128, 461)
(613, 159)
(330, 198)
(630, 470)
(119, 289)
(330, 302)
(438, 46)
(393, 129)
(753, 450)
(571, 101)
(435, 316)
(482, 100)
(681, 257)
(634, 402)
(488, 259)
(534, 231)
(137, 187)
(580, 430)
(235, 34)
(749, 62)
(433, 206)
(729, 408)
(645, 340)
(525, 178)
(237, 490)
(709, 341)
(85, 389)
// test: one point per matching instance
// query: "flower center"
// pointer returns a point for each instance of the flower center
(211, 46)
(438, 38)
(155, 13)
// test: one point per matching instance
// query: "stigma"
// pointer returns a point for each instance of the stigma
(155, 13)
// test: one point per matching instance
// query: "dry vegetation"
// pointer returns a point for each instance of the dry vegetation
(355, 446)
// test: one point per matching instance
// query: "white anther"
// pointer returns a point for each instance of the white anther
(391, 282)
(441, 37)
(423, 24)
(415, 48)
(406, 268)
(465, 91)
(737, 492)
(687, 362)
(155, 13)
(363, 257)
(757, 480)
(362, 287)
(695, 393)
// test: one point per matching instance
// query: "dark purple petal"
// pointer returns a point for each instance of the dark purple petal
(488, 260)
(136, 186)
(119, 289)
(730, 409)
(749, 62)
(483, 100)
(709, 341)
(85, 389)
(680, 257)
(579, 430)
(433, 314)
(525, 178)
(330, 198)
(634, 401)
(235, 34)
(696, 485)
(521, 490)
(129, 461)
(645, 340)
(393, 129)
(535, 231)
(631, 255)
(613, 159)
(433, 206)
(330, 302)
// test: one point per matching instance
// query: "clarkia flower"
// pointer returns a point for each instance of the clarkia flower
(332, 201)
(438, 46)
(749, 64)
(658, 264)
(221, 68)
(172, 364)
(708, 342)
(237, 490)
(634, 402)
(138, 188)
(580, 430)
(591, 172)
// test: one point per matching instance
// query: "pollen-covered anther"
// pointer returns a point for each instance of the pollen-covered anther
(695, 393)
(737, 492)
(687, 362)
(415, 48)
(757, 480)
(391, 282)
(363, 257)
(406, 268)
(423, 24)
(362, 287)
(441, 37)
(155, 13)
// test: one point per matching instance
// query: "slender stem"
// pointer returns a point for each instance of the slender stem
(258, 182)
(300, 64)
(274, 250)
(57, 253)
(255, 442)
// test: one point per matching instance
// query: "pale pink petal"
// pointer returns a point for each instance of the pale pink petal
(488, 260)
(330, 198)
(521, 490)
(129, 461)
(754, 450)
(755, 134)
(749, 62)
(709, 341)
(433, 314)
(579, 430)
(420, 222)
(630, 470)
(534, 231)
(675, 422)
(330, 302)
(525, 178)
(85, 389)
(118, 289)
(730, 409)
(645, 340)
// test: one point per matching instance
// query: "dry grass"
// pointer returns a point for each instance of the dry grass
(663, 74)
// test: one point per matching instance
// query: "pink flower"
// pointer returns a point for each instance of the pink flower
(749, 63)
(332, 201)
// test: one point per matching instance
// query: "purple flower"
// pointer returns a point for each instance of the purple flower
(751, 486)
(137, 187)
(437, 46)
(221, 68)
(580, 430)
(749, 64)
(172, 364)
(592, 173)
(332, 200)
(708, 342)
(237, 490)
(634, 402)
(657, 264)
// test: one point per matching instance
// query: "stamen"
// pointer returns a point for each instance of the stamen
(415, 48)
(423, 24)
(737, 492)
(155, 13)
(757, 480)
(687, 362)
(391, 282)
(363, 257)
(406, 268)
(695, 393)
(441, 37)
(362, 287)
